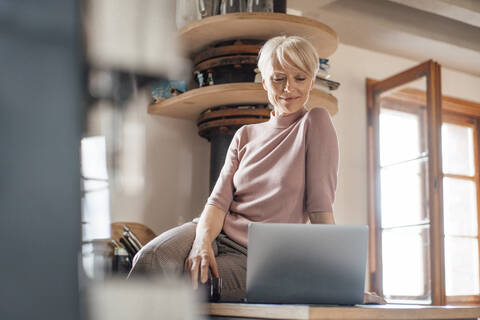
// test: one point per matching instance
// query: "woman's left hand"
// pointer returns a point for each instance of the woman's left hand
(373, 298)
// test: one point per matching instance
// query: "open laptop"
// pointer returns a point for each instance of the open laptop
(306, 263)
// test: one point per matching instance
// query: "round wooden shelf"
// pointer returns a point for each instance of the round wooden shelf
(190, 104)
(256, 25)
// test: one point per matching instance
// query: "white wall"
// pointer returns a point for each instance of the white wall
(162, 177)
(176, 163)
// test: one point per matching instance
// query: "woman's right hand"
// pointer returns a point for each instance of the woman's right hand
(199, 260)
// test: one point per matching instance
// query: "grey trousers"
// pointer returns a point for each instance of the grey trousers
(166, 254)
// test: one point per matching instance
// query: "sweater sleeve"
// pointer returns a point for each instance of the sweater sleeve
(222, 194)
(321, 164)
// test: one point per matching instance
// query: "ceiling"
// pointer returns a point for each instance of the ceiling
(447, 31)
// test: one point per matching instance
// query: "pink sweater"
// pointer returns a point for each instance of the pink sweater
(278, 171)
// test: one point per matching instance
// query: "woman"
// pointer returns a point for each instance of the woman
(282, 170)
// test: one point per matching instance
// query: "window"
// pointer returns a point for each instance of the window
(404, 212)
(423, 190)
(95, 203)
(461, 205)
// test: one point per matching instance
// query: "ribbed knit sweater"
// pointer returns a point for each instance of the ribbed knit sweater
(278, 171)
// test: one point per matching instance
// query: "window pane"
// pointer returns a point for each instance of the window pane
(405, 262)
(399, 136)
(460, 207)
(457, 149)
(461, 266)
(403, 199)
(94, 185)
(96, 215)
(93, 154)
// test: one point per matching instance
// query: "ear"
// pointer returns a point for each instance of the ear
(312, 83)
(263, 85)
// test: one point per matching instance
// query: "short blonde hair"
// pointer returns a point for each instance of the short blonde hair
(290, 51)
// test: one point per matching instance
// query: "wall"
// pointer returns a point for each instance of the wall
(163, 170)
(176, 159)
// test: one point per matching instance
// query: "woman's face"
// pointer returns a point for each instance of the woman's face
(288, 89)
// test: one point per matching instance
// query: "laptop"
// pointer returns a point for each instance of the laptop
(306, 263)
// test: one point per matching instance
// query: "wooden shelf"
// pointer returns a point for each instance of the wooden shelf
(256, 25)
(190, 104)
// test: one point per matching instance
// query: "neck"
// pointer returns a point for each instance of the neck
(281, 113)
(284, 120)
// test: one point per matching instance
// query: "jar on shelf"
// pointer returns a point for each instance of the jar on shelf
(259, 5)
(208, 8)
(230, 6)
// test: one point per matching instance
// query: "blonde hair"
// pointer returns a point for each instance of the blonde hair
(290, 51)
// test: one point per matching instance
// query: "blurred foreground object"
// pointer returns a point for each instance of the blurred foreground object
(187, 11)
(135, 36)
(149, 299)
(41, 117)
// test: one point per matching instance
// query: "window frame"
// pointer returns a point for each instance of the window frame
(453, 110)
(397, 103)
(431, 70)
(472, 121)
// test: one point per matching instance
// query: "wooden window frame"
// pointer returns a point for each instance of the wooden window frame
(392, 102)
(431, 70)
(470, 118)
(453, 110)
